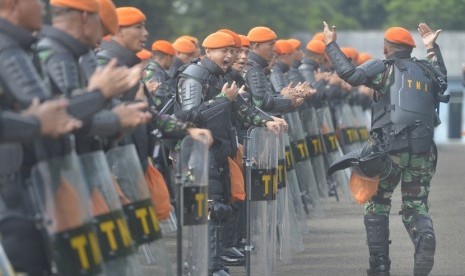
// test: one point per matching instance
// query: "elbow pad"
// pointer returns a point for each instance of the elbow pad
(17, 128)
(340, 62)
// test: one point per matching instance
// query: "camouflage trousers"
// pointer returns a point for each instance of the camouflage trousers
(414, 171)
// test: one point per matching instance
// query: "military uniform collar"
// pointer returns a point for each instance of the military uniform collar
(24, 38)
(212, 66)
(124, 55)
(399, 55)
(76, 47)
(255, 58)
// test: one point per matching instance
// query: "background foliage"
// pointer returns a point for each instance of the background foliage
(170, 18)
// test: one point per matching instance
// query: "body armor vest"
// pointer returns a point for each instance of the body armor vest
(407, 111)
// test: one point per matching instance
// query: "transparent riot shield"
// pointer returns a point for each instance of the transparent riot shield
(346, 128)
(362, 122)
(303, 165)
(339, 181)
(295, 198)
(5, 267)
(113, 234)
(192, 167)
(142, 220)
(262, 186)
(62, 196)
(315, 145)
(283, 212)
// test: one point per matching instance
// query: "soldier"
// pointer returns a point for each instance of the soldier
(156, 71)
(68, 61)
(407, 91)
(193, 39)
(127, 41)
(20, 84)
(185, 51)
(239, 64)
(313, 60)
(204, 98)
(262, 40)
(294, 74)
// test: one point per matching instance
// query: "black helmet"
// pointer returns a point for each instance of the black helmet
(367, 162)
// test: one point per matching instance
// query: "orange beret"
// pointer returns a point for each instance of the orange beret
(316, 46)
(144, 54)
(399, 35)
(108, 16)
(92, 6)
(128, 16)
(218, 40)
(295, 43)
(261, 34)
(319, 36)
(363, 57)
(237, 39)
(282, 47)
(184, 46)
(192, 39)
(164, 47)
(244, 41)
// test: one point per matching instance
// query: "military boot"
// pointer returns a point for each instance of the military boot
(421, 232)
(231, 255)
(216, 268)
(377, 228)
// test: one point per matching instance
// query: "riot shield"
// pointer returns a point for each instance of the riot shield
(339, 180)
(113, 235)
(362, 122)
(5, 267)
(303, 165)
(346, 128)
(284, 213)
(315, 145)
(261, 187)
(192, 167)
(63, 199)
(295, 198)
(142, 220)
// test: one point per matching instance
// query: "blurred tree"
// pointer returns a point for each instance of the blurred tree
(438, 14)
(169, 19)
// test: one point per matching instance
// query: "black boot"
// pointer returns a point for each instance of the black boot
(216, 268)
(231, 255)
(377, 228)
(422, 234)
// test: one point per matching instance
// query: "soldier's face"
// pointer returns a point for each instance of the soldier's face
(29, 14)
(265, 50)
(298, 55)
(241, 59)
(223, 57)
(134, 37)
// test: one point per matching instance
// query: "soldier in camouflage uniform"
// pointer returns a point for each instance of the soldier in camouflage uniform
(407, 93)
(157, 71)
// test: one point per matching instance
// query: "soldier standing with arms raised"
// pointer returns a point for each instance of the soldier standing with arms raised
(407, 93)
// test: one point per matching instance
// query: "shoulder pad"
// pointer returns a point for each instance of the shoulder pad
(88, 65)
(63, 71)
(190, 93)
(373, 67)
(196, 71)
(20, 77)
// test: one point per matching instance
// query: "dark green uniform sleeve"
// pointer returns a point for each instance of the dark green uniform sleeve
(249, 114)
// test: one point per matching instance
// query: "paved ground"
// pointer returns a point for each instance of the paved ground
(336, 243)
